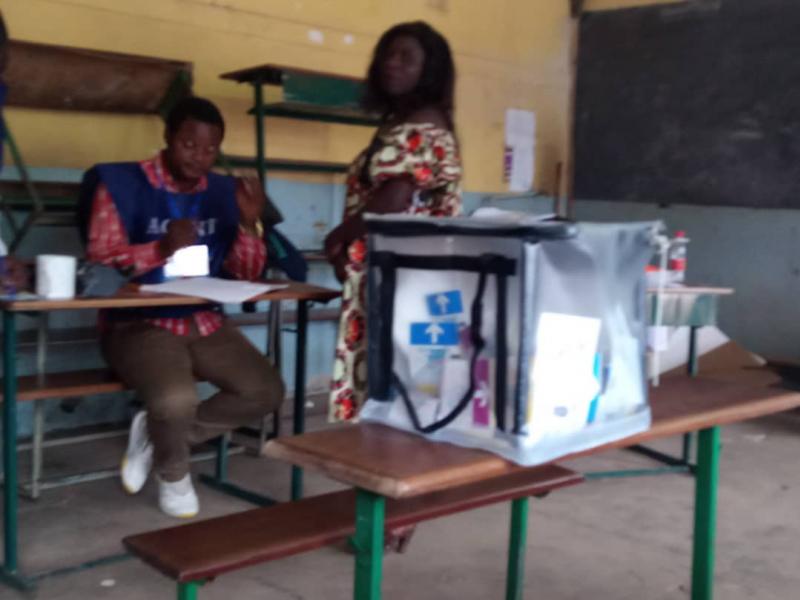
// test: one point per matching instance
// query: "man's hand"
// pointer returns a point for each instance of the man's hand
(251, 200)
(180, 234)
(15, 274)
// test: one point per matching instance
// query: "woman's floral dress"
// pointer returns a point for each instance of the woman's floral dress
(429, 156)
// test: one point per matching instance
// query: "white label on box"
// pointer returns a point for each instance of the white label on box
(562, 379)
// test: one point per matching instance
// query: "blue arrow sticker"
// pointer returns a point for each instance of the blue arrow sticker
(445, 303)
(434, 334)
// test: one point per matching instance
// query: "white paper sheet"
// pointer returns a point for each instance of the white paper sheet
(191, 261)
(224, 291)
(520, 140)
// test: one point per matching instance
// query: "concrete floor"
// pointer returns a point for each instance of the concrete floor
(621, 539)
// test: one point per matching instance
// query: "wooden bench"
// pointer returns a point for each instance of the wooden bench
(74, 384)
(69, 384)
(65, 386)
(199, 552)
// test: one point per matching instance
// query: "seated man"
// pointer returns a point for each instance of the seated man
(141, 214)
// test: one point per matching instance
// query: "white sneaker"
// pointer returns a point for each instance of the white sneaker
(138, 459)
(178, 498)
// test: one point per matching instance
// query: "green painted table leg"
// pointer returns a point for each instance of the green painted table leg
(189, 590)
(10, 443)
(515, 576)
(368, 542)
(705, 514)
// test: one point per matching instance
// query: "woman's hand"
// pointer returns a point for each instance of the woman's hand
(335, 249)
(339, 267)
(334, 244)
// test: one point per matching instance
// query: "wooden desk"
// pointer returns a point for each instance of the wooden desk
(681, 306)
(383, 462)
(302, 293)
(132, 298)
(692, 306)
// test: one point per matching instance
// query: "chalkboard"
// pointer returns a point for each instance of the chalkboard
(696, 102)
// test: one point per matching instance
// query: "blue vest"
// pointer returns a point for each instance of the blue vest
(146, 211)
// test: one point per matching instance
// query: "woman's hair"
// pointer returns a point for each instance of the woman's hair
(436, 82)
(3, 30)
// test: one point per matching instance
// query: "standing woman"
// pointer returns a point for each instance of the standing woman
(411, 166)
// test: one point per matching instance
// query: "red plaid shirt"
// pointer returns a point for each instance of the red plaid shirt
(108, 244)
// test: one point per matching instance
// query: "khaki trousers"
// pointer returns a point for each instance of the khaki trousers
(163, 369)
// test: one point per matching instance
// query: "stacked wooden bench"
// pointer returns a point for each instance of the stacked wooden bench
(76, 384)
(64, 386)
(62, 78)
(199, 552)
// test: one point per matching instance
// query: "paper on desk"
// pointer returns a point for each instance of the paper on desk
(224, 291)
(520, 141)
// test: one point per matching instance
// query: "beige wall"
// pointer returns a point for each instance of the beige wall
(509, 53)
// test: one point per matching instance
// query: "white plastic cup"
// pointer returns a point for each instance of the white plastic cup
(55, 276)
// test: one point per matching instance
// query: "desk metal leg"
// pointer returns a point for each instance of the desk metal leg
(705, 513)
(692, 365)
(368, 542)
(515, 576)
(219, 481)
(686, 451)
(692, 368)
(10, 559)
(221, 463)
(261, 152)
(299, 424)
(9, 442)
